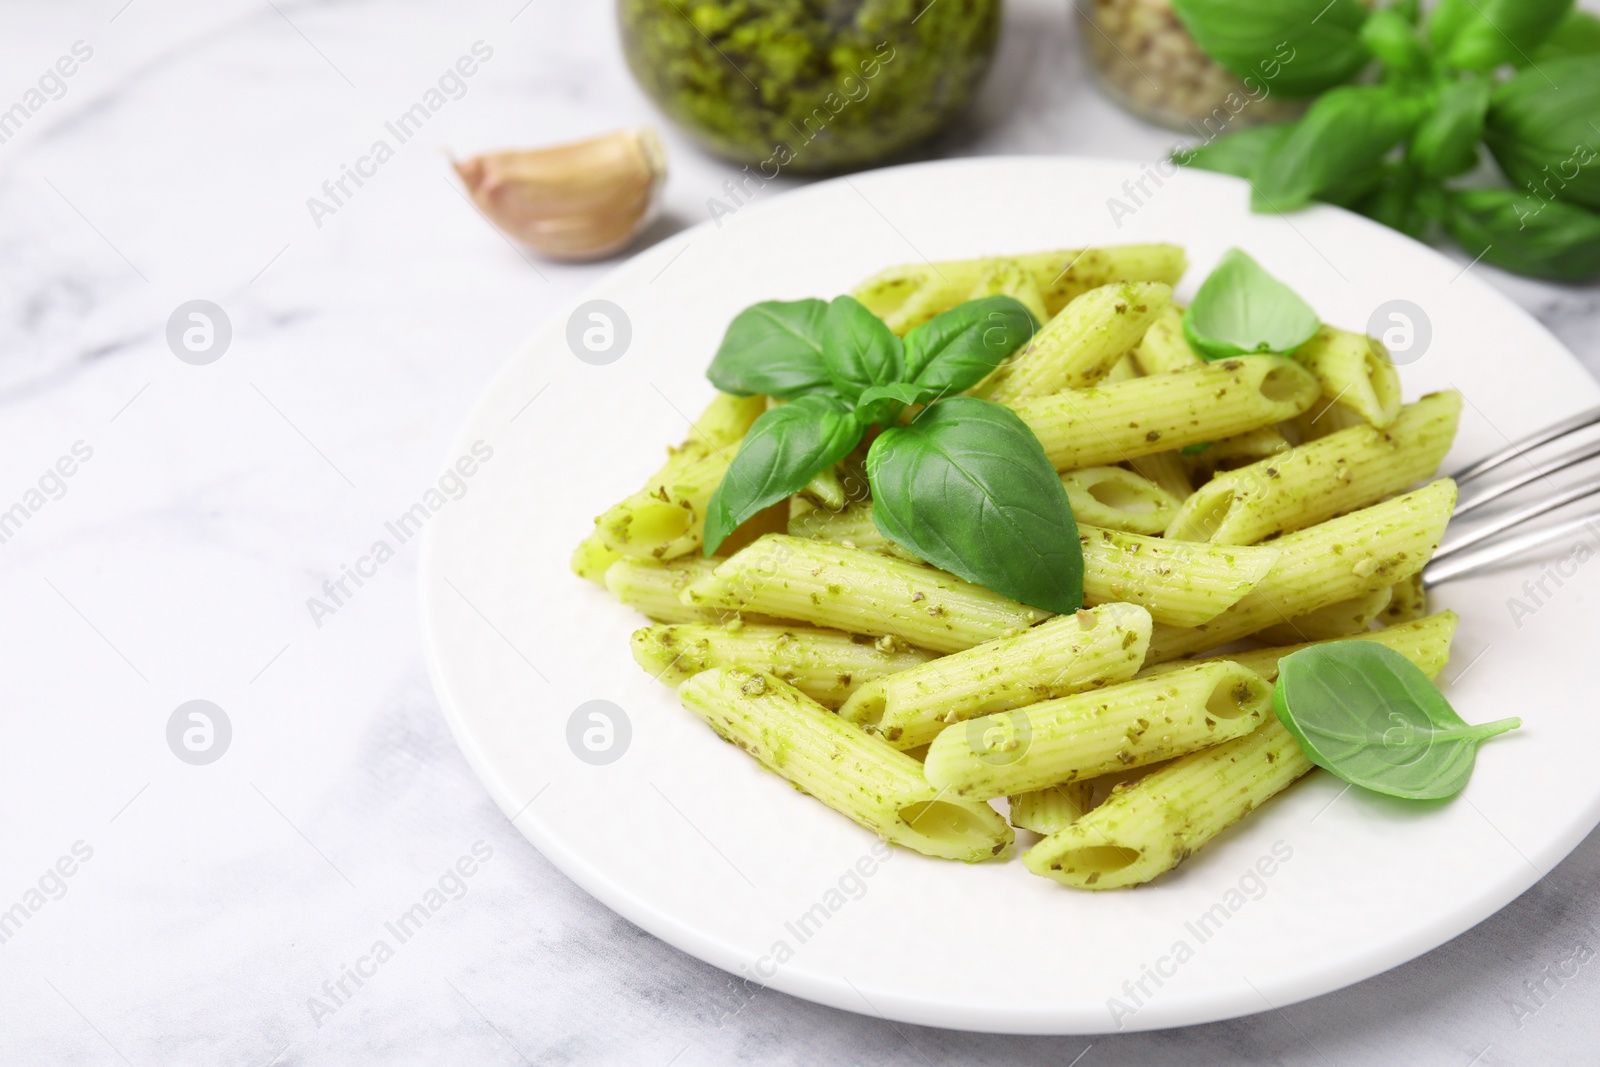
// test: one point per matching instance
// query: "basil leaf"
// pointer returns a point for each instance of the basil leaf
(954, 351)
(1237, 153)
(1445, 144)
(882, 403)
(1484, 34)
(784, 450)
(1545, 137)
(1393, 39)
(1369, 715)
(1402, 200)
(1297, 47)
(773, 349)
(966, 486)
(1347, 131)
(1240, 308)
(1577, 35)
(857, 348)
(1522, 233)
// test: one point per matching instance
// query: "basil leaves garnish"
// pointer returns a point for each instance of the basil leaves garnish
(954, 352)
(1369, 715)
(772, 349)
(1241, 309)
(786, 448)
(858, 350)
(965, 485)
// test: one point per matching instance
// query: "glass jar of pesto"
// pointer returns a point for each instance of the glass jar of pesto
(809, 85)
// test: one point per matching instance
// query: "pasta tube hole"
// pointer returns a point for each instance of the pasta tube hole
(1099, 859)
(866, 706)
(1285, 383)
(658, 522)
(951, 824)
(1236, 696)
(1123, 497)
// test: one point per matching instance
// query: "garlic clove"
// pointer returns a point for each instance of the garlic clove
(572, 201)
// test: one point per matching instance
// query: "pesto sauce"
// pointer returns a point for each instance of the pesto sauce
(809, 85)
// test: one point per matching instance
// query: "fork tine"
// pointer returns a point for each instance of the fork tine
(1577, 422)
(1588, 450)
(1516, 518)
(1462, 564)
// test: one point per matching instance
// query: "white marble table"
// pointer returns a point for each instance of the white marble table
(208, 905)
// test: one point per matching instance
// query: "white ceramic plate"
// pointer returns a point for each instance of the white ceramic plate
(690, 839)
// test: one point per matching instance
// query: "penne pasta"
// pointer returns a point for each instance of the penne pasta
(1178, 586)
(1056, 807)
(1166, 470)
(1066, 654)
(1424, 641)
(1113, 729)
(1064, 276)
(1355, 372)
(1163, 348)
(1263, 500)
(1148, 827)
(1119, 499)
(1335, 560)
(1236, 451)
(1008, 278)
(1109, 424)
(856, 775)
(1177, 582)
(825, 665)
(592, 558)
(1408, 601)
(1312, 482)
(1122, 370)
(1080, 345)
(666, 519)
(654, 588)
(909, 295)
(858, 591)
(1344, 619)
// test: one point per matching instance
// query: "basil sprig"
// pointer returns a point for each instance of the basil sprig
(1577, 35)
(1389, 147)
(1240, 309)
(1344, 136)
(1445, 143)
(1544, 135)
(964, 485)
(1481, 35)
(1524, 233)
(1372, 717)
(1297, 47)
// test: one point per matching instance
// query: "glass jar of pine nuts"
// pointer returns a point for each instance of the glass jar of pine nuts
(1147, 62)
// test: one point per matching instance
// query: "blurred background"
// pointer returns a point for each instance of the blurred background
(202, 152)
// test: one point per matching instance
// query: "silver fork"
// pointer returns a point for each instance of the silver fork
(1482, 544)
